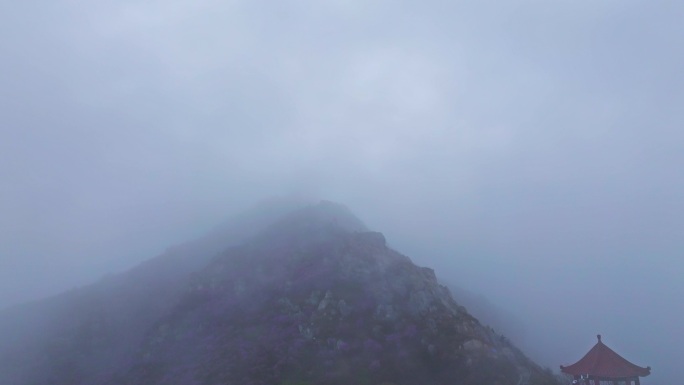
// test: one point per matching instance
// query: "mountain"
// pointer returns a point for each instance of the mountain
(106, 321)
(305, 297)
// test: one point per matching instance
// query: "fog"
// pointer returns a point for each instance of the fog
(530, 151)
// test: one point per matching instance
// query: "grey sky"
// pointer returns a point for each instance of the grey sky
(529, 150)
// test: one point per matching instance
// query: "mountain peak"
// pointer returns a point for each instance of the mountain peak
(313, 298)
(325, 213)
(312, 223)
(317, 299)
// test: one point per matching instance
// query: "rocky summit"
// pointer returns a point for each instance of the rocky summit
(313, 298)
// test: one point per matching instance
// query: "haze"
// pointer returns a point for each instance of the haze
(530, 150)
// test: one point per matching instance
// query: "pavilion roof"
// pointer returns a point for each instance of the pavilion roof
(602, 361)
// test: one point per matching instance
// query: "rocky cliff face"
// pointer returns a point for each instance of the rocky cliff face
(313, 299)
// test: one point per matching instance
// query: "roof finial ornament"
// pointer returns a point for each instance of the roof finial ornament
(599, 337)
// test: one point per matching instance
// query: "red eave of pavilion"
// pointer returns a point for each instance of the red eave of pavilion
(602, 361)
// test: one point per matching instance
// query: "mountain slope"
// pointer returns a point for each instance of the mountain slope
(106, 321)
(312, 299)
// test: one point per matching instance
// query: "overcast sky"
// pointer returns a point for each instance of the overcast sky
(528, 150)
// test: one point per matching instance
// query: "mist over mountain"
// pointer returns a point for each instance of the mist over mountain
(528, 151)
(493, 315)
(280, 295)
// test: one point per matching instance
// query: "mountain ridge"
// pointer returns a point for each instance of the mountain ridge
(312, 298)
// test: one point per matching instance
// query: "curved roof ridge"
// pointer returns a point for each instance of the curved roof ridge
(602, 361)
